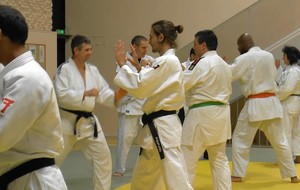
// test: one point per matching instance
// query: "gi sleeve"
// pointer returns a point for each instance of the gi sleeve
(20, 107)
(238, 68)
(106, 94)
(191, 77)
(289, 86)
(149, 81)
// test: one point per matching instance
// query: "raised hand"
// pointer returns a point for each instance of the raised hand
(120, 53)
(134, 61)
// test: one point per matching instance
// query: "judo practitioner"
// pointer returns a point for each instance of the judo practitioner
(207, 84)
(30, 125)
(256, 71)
(79, 86)
(289, 95)
(162, 86)
(130, 108)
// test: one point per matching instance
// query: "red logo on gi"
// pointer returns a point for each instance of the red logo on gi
(7, 102)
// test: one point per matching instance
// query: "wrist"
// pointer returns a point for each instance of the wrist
(121, 64)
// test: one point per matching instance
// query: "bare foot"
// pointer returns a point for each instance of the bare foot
(118, 174)
(295, 179)
(236, 179)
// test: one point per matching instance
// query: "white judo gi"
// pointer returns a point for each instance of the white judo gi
(207, 126)
(187, 63)
(129, 121)
(257, 74)
(1, 67)
(289, 95)
(162, 86)
(30, 125)
(70, 87)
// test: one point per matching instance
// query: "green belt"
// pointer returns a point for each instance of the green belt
(203, 104)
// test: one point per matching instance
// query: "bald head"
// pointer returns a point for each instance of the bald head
(245, 42)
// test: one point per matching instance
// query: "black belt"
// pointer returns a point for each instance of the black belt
(295, 95)
(181, 115)
(23, 169)
(81, 114)
(148, 119)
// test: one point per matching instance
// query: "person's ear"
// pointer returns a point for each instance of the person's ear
(76, 50)
(203, 46)
(161, 37)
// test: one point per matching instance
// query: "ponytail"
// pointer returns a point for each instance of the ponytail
(179, 29)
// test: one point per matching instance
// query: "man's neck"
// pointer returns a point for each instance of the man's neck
(164, 48)
(12, 53)
(79, 63)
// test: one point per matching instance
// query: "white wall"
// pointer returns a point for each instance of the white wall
(49, 40)
(293, 39)
(106, 21)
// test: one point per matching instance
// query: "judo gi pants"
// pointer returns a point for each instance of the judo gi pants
(97, 152)
(218, 162)
(150, 171)
(291, 127)
(129, 125)
(242, 140)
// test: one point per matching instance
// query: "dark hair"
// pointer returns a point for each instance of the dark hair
(167, 29)
(209, 37)
(77, 41)
(136, 40)
(292, 54)
(192, 51)
(13, 24)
